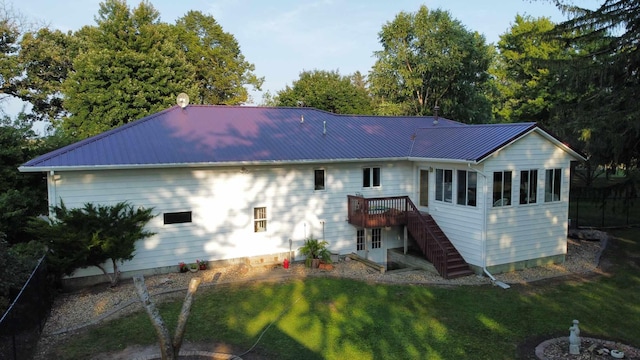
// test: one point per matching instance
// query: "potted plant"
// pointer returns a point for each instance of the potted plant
(315, 250)
(202, 264)
(193, 267)
(183, 267)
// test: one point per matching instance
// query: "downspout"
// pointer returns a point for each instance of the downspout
(483, 233)
(53, 191)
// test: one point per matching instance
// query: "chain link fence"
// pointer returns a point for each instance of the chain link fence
(21, 325)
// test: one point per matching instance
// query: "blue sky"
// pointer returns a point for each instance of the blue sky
(283, 38)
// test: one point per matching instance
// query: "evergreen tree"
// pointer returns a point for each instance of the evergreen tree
(608, 78)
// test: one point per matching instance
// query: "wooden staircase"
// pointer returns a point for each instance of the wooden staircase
(400, 210)
(435, 245)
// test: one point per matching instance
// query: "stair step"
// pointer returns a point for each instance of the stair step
(456, 266)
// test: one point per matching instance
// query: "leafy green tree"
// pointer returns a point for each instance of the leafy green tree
(429, 59)
(132, 66)
(22, 195)
(92, 235)
(329, 91)
(221, 72)
(46, 58)
(12, 25)
(528, 73)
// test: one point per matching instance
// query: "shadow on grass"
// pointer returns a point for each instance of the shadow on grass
(323, 318)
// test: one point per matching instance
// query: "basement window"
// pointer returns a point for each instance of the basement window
(177, 217)
(360, 240)
(376, 238)
(260, 219)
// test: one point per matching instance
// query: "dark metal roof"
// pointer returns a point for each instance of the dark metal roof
(204, 135)
(470, 143)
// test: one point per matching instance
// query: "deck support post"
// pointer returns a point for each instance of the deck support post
(406, 240)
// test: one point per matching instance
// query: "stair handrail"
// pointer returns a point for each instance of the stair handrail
(441, 265)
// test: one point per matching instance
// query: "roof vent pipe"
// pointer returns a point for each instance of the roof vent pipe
(435, 114)
(301, 119)
(324, 130)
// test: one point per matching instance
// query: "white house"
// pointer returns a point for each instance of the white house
(250, 184)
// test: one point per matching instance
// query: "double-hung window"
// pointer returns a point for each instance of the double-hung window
(444, 182)
(260, 219)
(371, 177)
(528, 186)
(467, 187)
(501, 188)
(552, 182)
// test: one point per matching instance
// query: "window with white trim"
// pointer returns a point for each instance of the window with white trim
(552, 182)
(259, 219)
(467, 187)
(444, 183)
(376, 238)
(360, 240)
(501, 188)
(528, 186)
(371, 177)
(318, 179)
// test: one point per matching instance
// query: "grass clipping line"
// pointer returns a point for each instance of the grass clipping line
(169, 349)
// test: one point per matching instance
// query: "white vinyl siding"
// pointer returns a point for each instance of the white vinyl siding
(523, 232)
(222, 202)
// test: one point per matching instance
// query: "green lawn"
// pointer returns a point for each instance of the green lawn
(344, 319)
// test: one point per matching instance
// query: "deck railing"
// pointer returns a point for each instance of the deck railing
(399, 210)
(377, 212)
(429, 243)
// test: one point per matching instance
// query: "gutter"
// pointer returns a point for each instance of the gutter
(483, 233)
(24, 168)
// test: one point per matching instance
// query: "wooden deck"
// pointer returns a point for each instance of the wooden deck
(393, 211)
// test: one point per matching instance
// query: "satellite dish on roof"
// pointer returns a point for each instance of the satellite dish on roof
(182, 100)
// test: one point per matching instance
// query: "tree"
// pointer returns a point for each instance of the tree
(169, 348)
(131, 66)
(12, 26)
(46, 58)
(608, 78)
(22, 195)
(429, 59)
(92, 235)
(14, 272)
(329, 91)
(527, 72)
(221, 71)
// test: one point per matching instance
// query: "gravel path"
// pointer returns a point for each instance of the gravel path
(76, 310)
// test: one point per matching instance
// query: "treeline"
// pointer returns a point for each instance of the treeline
(579, 79)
